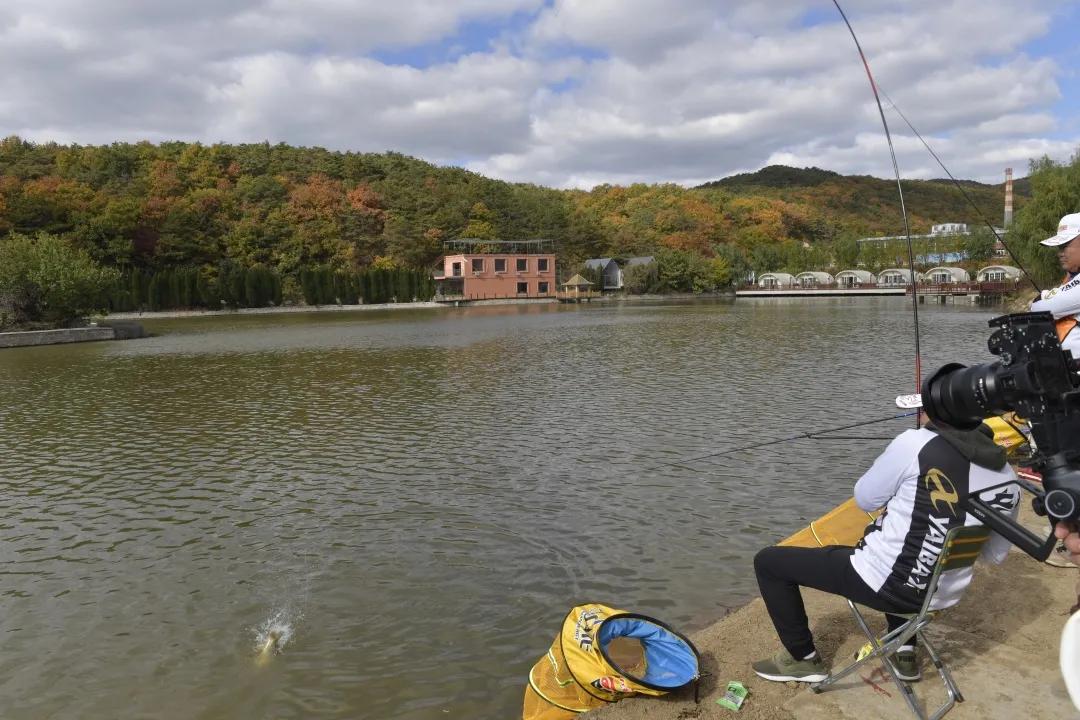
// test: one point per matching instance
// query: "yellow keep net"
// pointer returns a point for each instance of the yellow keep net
(575, 674)
(1010, 432)
(552, 693)
(843, 525)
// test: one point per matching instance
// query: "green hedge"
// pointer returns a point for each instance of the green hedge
(236, 287)
(325, 286)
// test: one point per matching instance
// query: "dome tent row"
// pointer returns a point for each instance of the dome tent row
(890, 277)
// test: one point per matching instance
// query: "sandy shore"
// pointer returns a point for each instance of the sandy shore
(1000, 641)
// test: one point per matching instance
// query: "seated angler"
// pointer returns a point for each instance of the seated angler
(918, 480)
(1064, 300)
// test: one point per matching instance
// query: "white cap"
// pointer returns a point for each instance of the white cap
(909, 402)
(1068, 229)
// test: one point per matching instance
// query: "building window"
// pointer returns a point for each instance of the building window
(478, 264)
(456, 269)
(522, 264)
(523, 288)
(541, 265)
(543, 288)
(500, 264)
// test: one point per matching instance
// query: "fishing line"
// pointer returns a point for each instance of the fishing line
(903, 208)
(964, 192)
(855, 437)
(824, 434)
(800, 436)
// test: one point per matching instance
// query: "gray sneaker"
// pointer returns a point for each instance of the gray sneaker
(907, 665)
(781, 667)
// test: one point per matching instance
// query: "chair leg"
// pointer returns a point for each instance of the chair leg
(881, 652)
(839, 675)
(951, 688)
(886, 662)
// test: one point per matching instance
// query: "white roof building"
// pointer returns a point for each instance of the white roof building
(896, 276)
(814, 279)
(946, 275)
(999, 273)
(775, 280)
(950, 229)
(853, 278)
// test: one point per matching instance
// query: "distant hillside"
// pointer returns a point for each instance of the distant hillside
(174, 205)
(868, 204)
(776, 176)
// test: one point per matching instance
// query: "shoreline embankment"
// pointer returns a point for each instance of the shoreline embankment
(1000, 642)
(171, 314)
(115, 329)
(278, 310)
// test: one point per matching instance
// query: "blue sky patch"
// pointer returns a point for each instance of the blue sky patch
(824, 15)
(1060, 45)
(475, 36)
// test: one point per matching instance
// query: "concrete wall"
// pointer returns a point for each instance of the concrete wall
(125, 329)
(53, 337)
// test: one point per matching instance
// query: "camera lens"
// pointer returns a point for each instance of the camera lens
(962, 396)
(1060, 504)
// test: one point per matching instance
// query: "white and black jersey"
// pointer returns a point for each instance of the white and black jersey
(919, 479)
(1064, 302)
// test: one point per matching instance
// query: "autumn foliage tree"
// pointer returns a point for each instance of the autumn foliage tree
(194, 209)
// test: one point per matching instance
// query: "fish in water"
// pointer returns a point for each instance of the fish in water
(269, 647)
(271, 643)
(272, 636)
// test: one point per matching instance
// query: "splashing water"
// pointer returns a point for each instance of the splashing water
(273, 634)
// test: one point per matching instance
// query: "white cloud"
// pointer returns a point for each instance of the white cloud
(568, 93)
(1019, 124)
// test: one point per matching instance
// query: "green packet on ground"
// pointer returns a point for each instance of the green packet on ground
(734, 697)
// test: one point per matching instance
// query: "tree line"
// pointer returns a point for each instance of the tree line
(174, 204)
(233, 287)
(189, 214)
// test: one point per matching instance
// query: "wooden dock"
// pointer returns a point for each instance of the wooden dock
(578, 296)
(982, 289)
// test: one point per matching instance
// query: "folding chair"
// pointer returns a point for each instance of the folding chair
(961, 548)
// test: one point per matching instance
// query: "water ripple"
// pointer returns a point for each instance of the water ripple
(424, 495)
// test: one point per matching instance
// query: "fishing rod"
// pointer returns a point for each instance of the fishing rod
(800, 436)
(963, 192)
(903, 207)
(917, 413)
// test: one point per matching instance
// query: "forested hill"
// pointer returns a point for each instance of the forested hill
(928, 201)
(150, 207)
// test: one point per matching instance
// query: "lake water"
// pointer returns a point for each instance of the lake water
(413, 499)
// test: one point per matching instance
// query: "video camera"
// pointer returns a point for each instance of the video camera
(1039, 381)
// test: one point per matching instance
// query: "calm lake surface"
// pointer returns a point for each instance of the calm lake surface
(413, 499)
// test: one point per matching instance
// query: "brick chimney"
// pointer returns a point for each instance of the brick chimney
(1008, 197)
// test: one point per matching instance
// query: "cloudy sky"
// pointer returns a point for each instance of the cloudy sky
(567, 93)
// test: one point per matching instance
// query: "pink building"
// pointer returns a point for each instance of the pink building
(496, 269)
